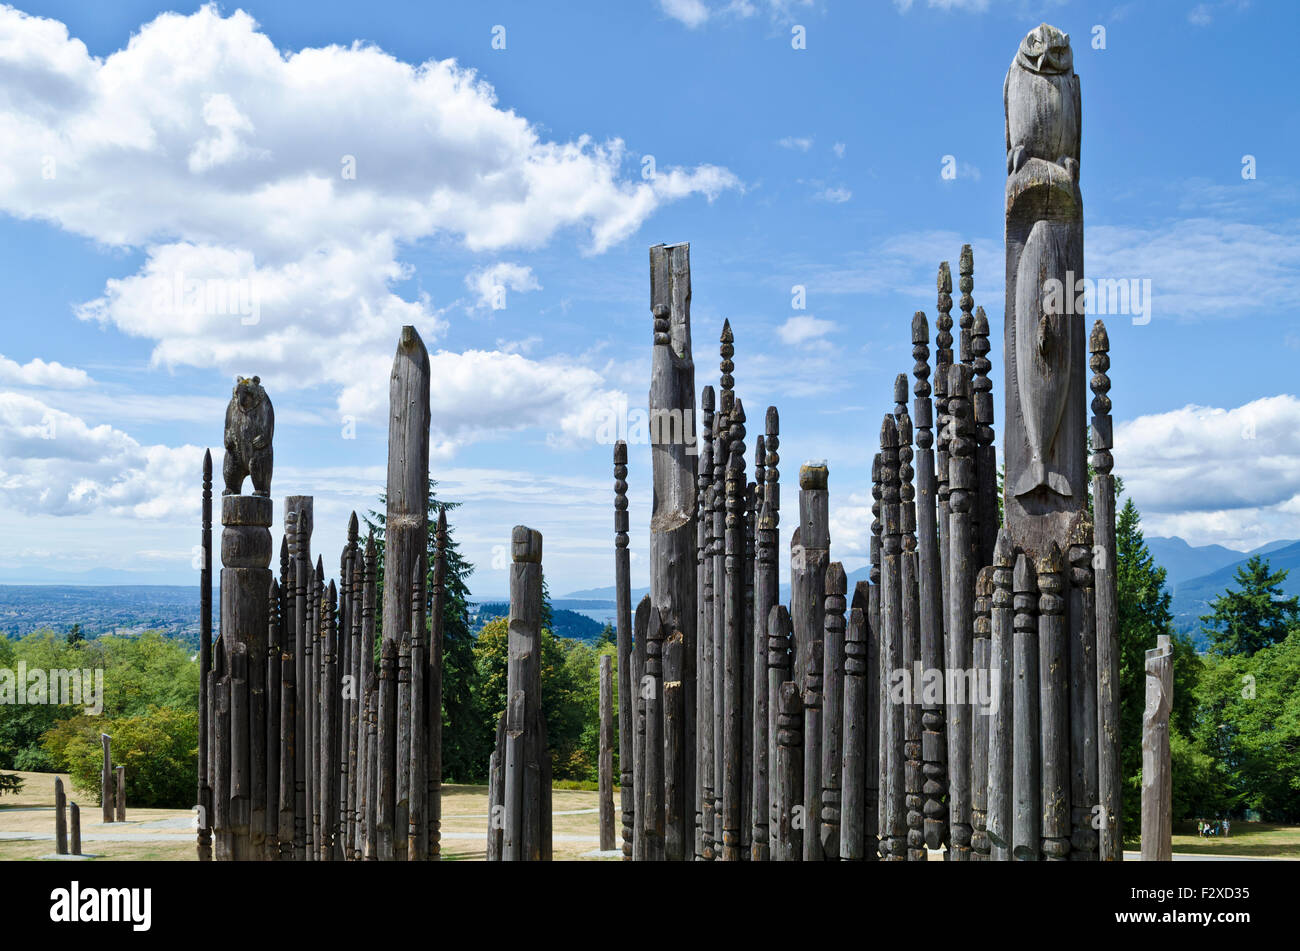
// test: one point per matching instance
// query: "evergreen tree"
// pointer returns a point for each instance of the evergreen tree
(1254, 616)
(74, 635)
(460, 751)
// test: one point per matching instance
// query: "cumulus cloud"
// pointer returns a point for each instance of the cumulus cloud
(837, 195)
(36, 372)
(796, 143)
(54, 463)
(490, 284)
(803, 329)
(1184, 469)
(269, 190)
(695, 13)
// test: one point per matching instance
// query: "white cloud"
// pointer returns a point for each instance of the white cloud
(1184, 470)
(796, 143)
(691, 12)
(490, 284)
(1201, 268)
(836, 196)
(36, 372)
(838, 148)
(803, 329)
(1200, 15)
(296, 176)
(54, 463)
(972, 6)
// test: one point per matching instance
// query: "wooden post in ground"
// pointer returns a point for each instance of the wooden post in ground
(718, 507)
(1002, 672)
(672, 527)
(1054, 705)
(787, 845)
(303, 508)
(627, 686)
(1109, 780)
(272, 731)
(406, 540)
(981, 713)
(704, 635)
(766, 596)
(1157, 777)
(106, 780)
(60, 818)
(876, 824)
(961, 602)
(75, 812)
(833, 674)
(809, 617)
(734, 646)
(778, 673)
(986, 455)
(1082, 687)
(930, 602)
(205, 665)
(857, 770)
(909, 562)
(636, 676)
(417, 843)
(121, 794)
(1025, 790)
(652, 746)
(437, 635)
(606, 767)
(894, 833)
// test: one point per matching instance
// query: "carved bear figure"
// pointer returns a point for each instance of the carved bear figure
(1041, 98)
(250, 426)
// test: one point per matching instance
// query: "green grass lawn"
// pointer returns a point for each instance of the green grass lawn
(1261, 839)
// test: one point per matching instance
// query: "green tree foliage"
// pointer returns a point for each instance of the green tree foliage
(1255, 615)
(139, 673)
(459, 751)
(158, 747)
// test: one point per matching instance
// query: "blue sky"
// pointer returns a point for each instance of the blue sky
(211, 142)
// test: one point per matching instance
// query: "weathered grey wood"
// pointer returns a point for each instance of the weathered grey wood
(329, 738)
(942, 362)
(106, 779)
(986, 455)
(809, 618)
(672, 520)
(1157, 777)
(370, 849)
(930, 593)
(704, 635)
(640, 627)
(402, 756)
(300, 556)
(961, 600)
(778, 673)
(417, 844)
(355, 716)
(311, 715)
(876, 824)
(766, 595)
(913, 779)
(1044, 443)
(747, 648)
(734, 646)
(272, 731)
(652, 783)
(437, 633)
(981, 657)
(623, 633)
(75, 814)
(1109, 779)
(222, 846)
(833, 654)
(1082, 614)
(1002, 672)
(406, 537)
(386, 747)
(1025, 789)
(60, 818)
(676, 847)
(718, 503)
(204, 844)
(1054, 705)
(787, 846)
(855, 774)
(894, 833)
(605, 770)
(121, 793)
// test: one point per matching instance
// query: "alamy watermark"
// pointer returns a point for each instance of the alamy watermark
(1124, 296)
(60, 687)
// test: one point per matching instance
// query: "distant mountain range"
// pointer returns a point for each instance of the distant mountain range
(1192, 597)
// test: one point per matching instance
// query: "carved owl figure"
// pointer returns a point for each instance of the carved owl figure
(250, 426)
(1041, 97)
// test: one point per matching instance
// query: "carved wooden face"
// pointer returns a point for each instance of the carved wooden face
(249, 393)
(1045, 49)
